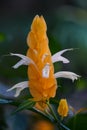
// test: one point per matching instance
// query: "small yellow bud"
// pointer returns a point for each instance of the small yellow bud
(63, 108)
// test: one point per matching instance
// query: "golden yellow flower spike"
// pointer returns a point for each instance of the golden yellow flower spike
(63, 108)
(41, 78)
(42, 83)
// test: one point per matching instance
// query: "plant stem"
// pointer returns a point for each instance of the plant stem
(53, 118)
(57, 121)
(52, 112)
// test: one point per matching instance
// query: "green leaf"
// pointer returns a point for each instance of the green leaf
(28, 104)
(5, 101)
(78, 122)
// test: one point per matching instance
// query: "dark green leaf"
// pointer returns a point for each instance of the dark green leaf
(79, 122)
(5, 101)
(28, 104)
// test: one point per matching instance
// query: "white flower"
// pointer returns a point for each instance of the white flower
(45, 72)
(24, 60)
(57, 57)
(19, 87)
(66, 74)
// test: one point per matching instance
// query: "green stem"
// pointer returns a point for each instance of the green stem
(52, 112)
(42, 114)
(51, 117)
(58, 123)
(55, 117)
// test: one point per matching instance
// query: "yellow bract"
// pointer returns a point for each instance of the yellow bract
(63, 108)
(41, 88)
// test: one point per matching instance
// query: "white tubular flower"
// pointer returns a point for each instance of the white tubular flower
(46, 71)
(19, 87)
(66, 74)
(24, 60)
(57, 56)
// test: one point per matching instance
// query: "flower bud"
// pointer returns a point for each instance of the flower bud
(63, 108)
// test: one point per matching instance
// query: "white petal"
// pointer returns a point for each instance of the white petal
(46, 70)
(66, 74)
(57, 57)
(21, 62)
(44, 56)
(24, 61)
(19, 87)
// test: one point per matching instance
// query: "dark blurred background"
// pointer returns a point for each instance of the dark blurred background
(67, 28)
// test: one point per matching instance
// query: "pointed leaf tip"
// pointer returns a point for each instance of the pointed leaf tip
(28, 104)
